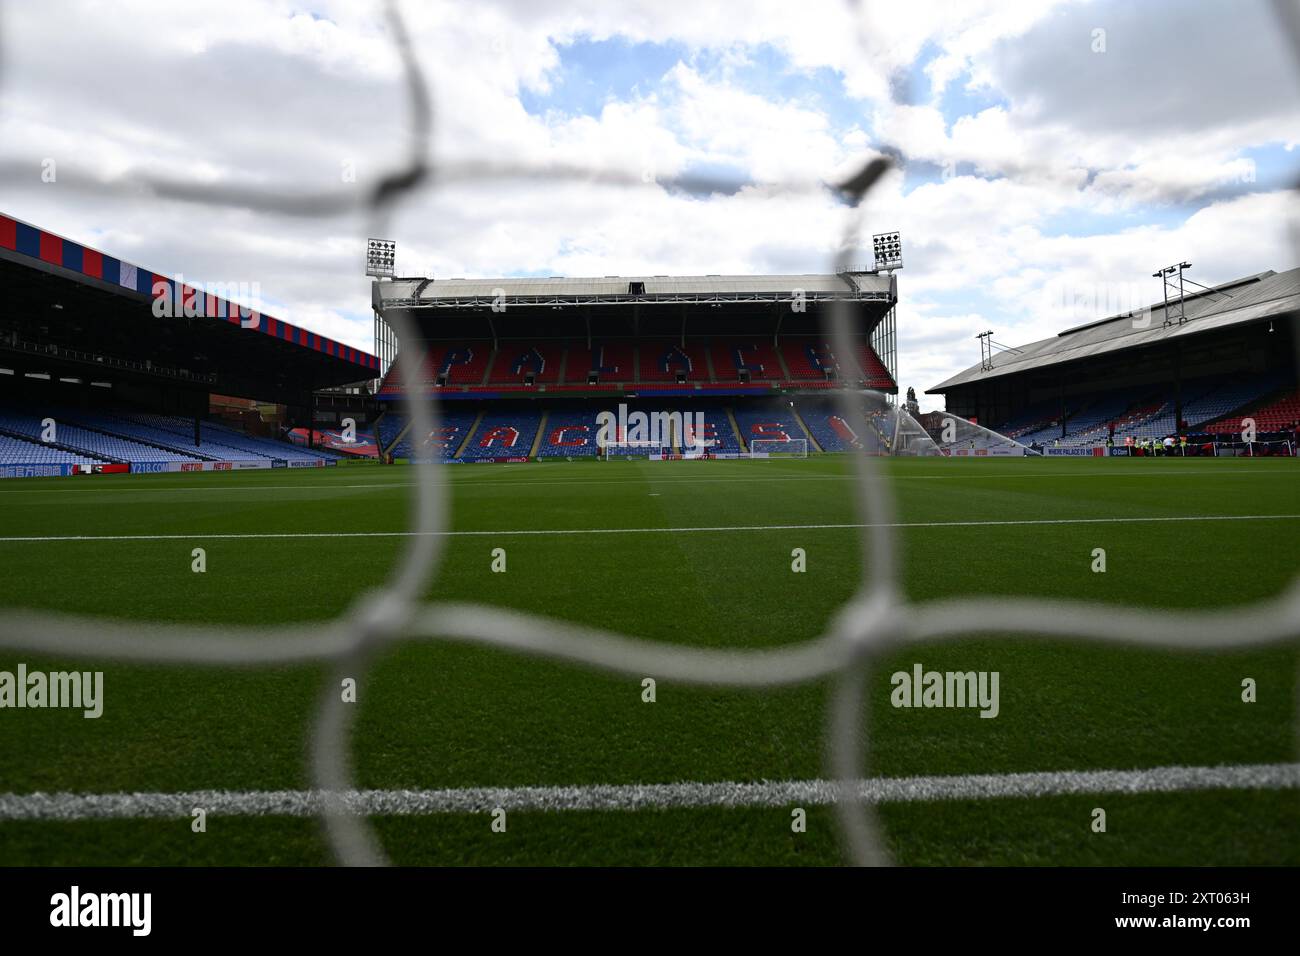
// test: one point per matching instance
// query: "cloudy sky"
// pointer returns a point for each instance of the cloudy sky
(1051, 154)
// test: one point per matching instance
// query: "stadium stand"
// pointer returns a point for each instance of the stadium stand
(809, 358)
(828, 426)
(572, 433)
(20, 451)
(1193, 363)
(388, 429)
(266, 446)
(1278, 414)
(1090, 425)
(216, 442)
(662, 361)
(473, 368)
(768, 421)
(1209, 405)
(569, 434)
(454, 428)
(503, 434)
(611, 361)
(718, 434)
(756, 357)
(874, 373)
(137, 438)
(1035, 423)
(462, 363)
(104, 446)
(1228, 397)
(513, 362)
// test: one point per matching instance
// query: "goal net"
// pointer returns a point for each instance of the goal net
(615, 450)
(778, 448)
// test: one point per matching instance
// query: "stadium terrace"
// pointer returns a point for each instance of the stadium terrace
(1215, 366)
(139, 373)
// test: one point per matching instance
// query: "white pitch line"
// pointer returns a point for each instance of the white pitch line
(517, 532)
(194, 486)
(662, 796)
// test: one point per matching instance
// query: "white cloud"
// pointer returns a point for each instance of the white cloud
(257, 91)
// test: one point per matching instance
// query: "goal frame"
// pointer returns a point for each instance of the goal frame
(629, 450)
(756, 452)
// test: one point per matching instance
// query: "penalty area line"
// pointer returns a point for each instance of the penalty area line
(665, 796)
(716, 529)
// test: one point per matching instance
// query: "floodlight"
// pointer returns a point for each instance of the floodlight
(380, 254)
(888, 250)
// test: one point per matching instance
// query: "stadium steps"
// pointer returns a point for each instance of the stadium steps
(61, 446)
(537, 439)
(396, 441)
(812, 439)
(491, 363)
(780, 358)
(708, 362)
(188, 452)
(812, 442)
(735, 428)
(379, 442)
(564, 363)
(478, 420)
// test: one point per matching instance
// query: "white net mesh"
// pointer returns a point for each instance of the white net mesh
(875, 621)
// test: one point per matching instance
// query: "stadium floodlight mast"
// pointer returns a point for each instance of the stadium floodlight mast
(1165, 273)
(986, 353)
(987, 345)
(888, 250)
(380, 254)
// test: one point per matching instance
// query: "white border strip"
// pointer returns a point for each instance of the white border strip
(516, 532)
(306, 803)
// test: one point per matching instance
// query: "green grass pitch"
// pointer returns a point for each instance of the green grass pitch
(436, 715)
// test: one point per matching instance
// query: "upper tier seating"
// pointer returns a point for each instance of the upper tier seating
(514, 361)
(463, 363)
(809, 358)
(654, 362)
(662, 360)
(757, 356)
(612, 361)
(876, 375)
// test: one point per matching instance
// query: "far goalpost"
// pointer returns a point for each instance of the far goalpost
(627, 450)
(778, 448)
